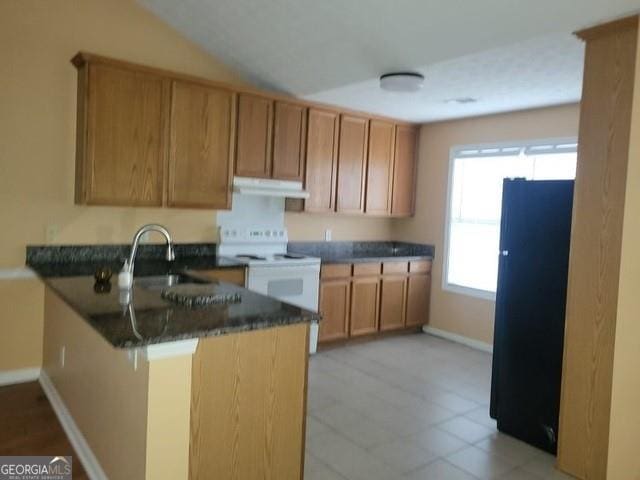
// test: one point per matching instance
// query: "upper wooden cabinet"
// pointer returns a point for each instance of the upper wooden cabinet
(122, 136)
(201, 153)
(255, 122)
(271, 138)
(322, 156)
(149, 137)
(352, 164)
(380, 167)
(404, 171)
(289, 136)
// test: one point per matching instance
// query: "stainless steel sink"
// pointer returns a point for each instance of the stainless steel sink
(160, 282)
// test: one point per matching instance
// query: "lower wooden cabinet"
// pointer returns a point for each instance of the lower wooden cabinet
(417, 300)
(360, 299)
(335, 305)
(365, 298)
(393, 302)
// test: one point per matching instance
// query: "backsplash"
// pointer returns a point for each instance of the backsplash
(37, 254)
(326, 250)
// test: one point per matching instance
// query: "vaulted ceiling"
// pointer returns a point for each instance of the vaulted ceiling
(504, 54)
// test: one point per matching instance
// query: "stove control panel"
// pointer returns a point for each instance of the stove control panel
(252, 235)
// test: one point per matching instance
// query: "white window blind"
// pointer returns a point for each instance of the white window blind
(475, 202)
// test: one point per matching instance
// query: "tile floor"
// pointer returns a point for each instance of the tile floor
(411, 407)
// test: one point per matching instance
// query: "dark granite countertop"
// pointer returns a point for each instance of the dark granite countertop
(145, 318)
(355, 252)
(148, 319)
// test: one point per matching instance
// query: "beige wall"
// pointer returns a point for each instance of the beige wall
(21, 314)
(37, 144)
(461, 314)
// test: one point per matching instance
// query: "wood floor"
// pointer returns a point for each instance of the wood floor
(28, 426)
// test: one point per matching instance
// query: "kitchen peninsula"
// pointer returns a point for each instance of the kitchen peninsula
(154, 389)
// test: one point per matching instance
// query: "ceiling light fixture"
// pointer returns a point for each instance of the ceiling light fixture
(402, 81)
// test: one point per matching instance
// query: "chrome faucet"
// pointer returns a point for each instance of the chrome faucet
(152, 227)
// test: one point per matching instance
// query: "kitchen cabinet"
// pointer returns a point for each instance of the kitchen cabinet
(322, 156)
(352, 162)
(365, 298)
(393, 302)
(380, 167)
(417, 300)
(121, 136)
(404, 171)
(200, 153)
(151, 138)
(255, 122)
(335, 304)
(289, 137)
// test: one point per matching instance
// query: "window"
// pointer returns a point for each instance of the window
(475, 202)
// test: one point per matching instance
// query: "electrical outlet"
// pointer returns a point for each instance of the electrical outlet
(327, 235)
(51, 233)
(63, 352)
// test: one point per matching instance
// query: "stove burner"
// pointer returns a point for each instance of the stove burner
(292, 256)
(250, 257)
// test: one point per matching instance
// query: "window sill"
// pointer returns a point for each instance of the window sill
(470, 292)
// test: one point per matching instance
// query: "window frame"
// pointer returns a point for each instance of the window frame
(453, 154)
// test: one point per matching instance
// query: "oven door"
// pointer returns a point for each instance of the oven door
(297, 285)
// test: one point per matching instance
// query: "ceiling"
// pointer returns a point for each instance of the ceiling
(505, 54)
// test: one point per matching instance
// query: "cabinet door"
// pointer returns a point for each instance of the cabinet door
(393, 302)
(352, 163)
(404, 170)
(288, 141)
(253, 156)
(322, 155)
(126, 127)
(380, 167)
(418, 295)
(200, 154)
(335, 300)
(365, 298)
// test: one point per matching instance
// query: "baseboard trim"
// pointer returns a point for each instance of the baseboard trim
(454, 337)
(22, 375)
(79, 443)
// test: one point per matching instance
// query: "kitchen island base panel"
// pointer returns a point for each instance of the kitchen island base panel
(248, 405)
(132, 413)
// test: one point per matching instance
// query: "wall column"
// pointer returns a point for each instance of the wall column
(599, 420)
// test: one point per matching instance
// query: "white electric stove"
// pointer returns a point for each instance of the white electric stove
(292, 278)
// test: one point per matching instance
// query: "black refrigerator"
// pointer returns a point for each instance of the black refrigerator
(531, 296)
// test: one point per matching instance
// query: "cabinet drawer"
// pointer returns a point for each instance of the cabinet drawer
(420, 266)
(394, 267)
(337, 270)
(361, 269)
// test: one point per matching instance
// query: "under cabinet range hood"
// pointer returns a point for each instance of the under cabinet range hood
(268, 187)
